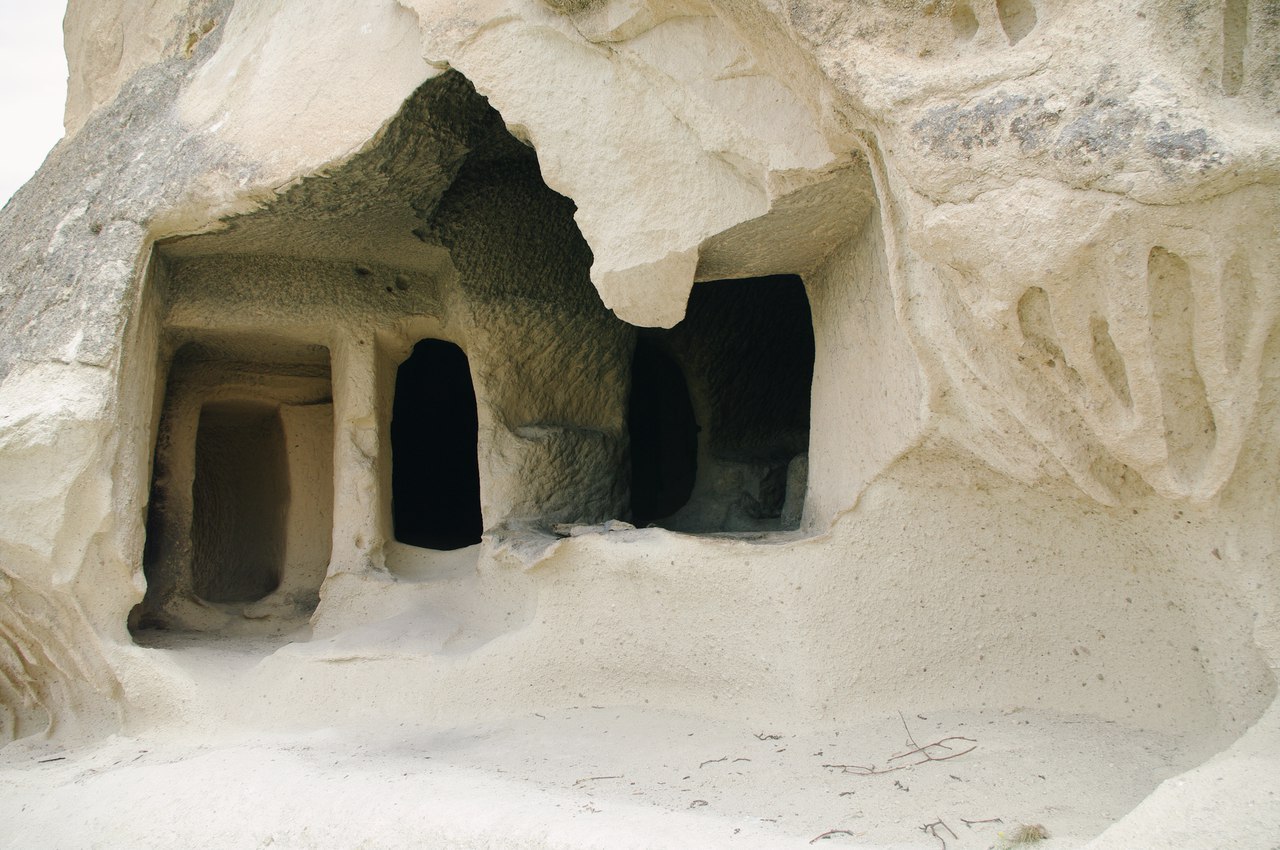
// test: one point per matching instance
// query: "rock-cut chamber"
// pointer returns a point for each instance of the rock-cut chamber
(240, 501)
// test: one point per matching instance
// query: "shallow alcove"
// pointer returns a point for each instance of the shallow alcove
(240, 515)
(240, 499)
(435, 475)
(664, 435)
(746, 348)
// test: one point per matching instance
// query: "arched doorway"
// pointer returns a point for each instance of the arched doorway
(435, 475)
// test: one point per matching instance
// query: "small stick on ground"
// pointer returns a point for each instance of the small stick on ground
(970, 823)
(932, 829)
(926, 751)
(713, 761)
(594, 779)
(829, 833)
(910, 738)
(916, 749)
(928, 756)
(864, 770)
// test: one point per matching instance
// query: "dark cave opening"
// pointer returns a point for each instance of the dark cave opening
(435, 473)
(664, 435)
(741, 361)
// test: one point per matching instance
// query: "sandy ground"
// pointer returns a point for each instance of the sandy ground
(589, 777)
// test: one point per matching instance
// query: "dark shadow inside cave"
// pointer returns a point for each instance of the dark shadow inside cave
(240, 501)
(435, 475)
(719, 412)
(664, 435)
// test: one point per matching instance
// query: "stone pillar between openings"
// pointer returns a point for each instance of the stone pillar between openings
(358, 532)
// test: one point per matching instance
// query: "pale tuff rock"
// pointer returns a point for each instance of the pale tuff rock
(775, 362)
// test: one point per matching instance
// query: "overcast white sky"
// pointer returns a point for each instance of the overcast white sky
(33, 86)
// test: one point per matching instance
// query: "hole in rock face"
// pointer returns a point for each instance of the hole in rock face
(240, 499)
(1017, 17)
(963, 22)
(664, 435)
(746, 350)
(435, 474)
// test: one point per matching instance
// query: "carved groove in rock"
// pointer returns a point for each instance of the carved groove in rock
(1036, 319)
(1190, 431)
(1108, 358)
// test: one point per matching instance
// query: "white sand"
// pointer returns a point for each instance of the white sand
(588, 776)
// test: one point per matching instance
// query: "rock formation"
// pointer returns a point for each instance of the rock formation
(931, 345)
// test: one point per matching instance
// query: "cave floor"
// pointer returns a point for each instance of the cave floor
(590, 777)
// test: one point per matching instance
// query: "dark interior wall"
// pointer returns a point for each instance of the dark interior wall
(435, 475)
(555, 363)
(746, 350)
(664, 435)
(747, 347)
(240, 502)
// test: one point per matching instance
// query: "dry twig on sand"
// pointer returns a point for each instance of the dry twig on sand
(926, 753)
(594, 779)
(916, 749)
(932, 829)
(828, 834)
(863, 769)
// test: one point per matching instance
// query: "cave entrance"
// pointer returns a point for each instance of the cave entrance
(730, 451)
(664, 435)
(240, 519)
(240, 501)
(435, 473)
